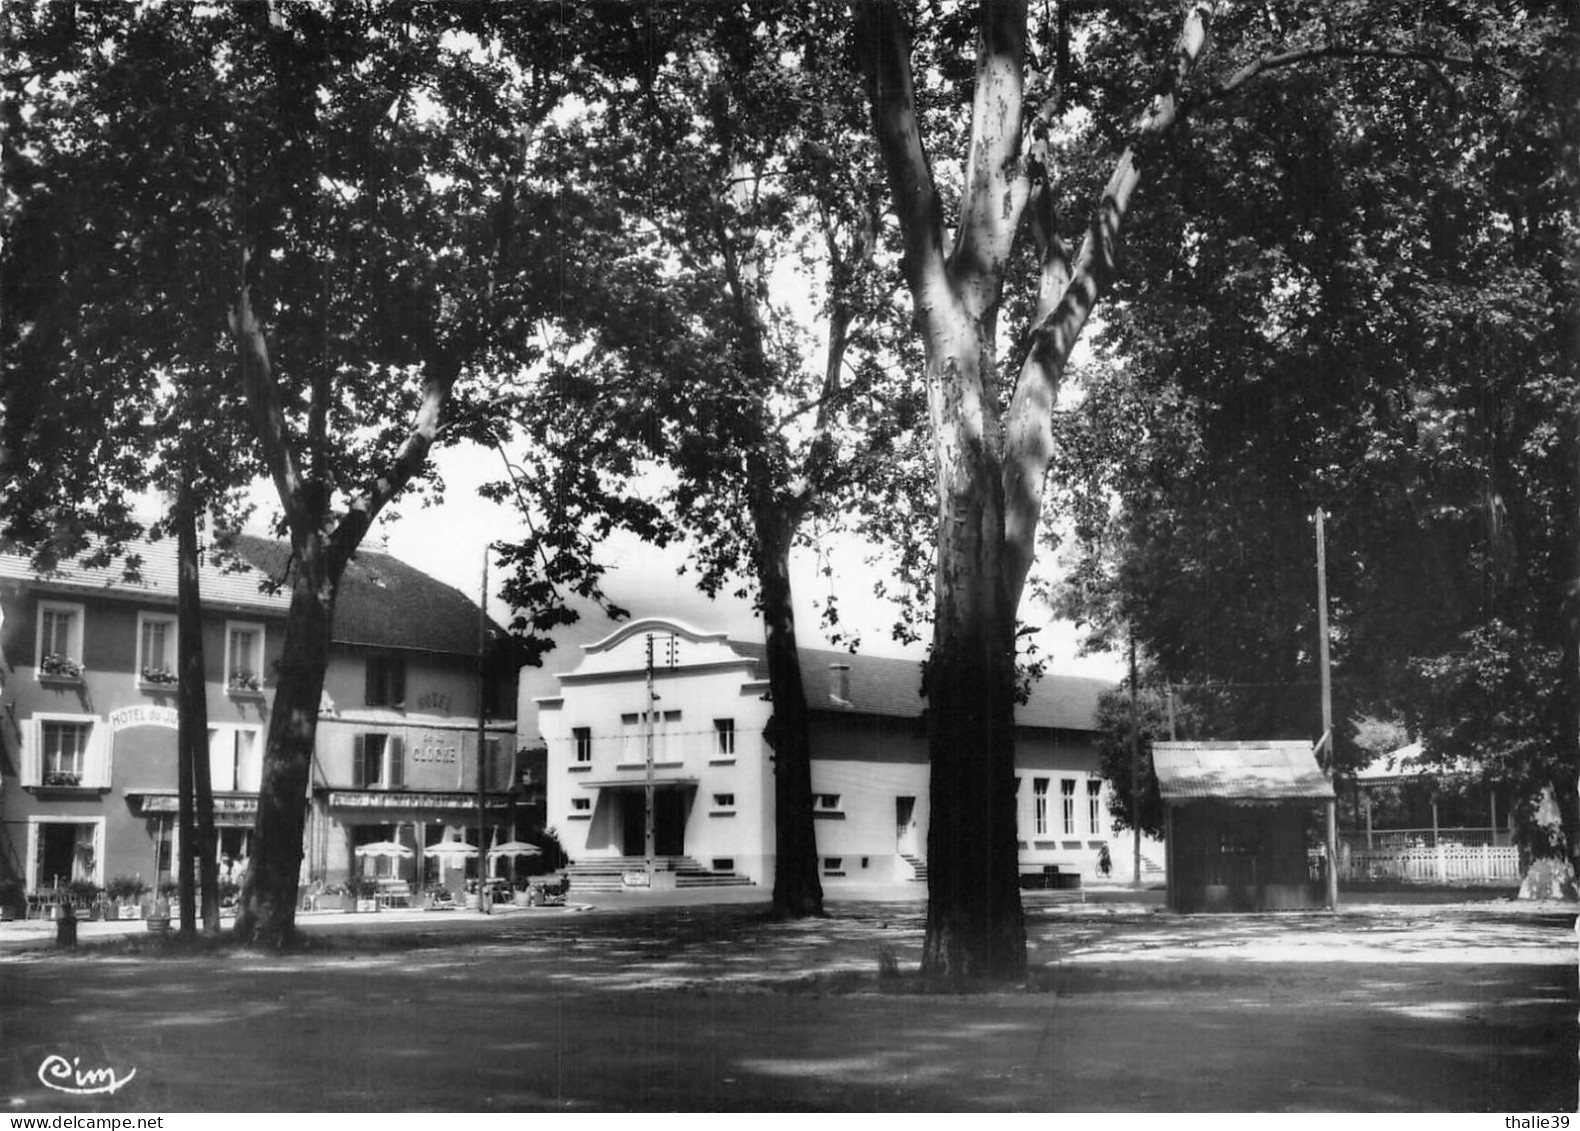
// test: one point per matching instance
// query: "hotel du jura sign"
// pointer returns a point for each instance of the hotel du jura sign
(144, 716)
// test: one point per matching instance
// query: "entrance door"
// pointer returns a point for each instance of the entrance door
(905, 825)
(670, 808)
(669, 822)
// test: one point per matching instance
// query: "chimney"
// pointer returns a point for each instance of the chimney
(839, 684)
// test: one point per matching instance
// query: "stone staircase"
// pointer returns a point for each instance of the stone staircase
(918, 865)
(603, 873)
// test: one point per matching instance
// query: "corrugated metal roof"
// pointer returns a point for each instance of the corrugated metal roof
(1238, 771)
(881, 685)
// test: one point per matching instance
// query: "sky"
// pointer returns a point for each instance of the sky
(447, 540)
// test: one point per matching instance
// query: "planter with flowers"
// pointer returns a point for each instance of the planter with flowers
(159, 677)
(63, 779)
(245, 683)
(60, 668)
(127, 894)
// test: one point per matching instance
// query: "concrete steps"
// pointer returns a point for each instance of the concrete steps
(603, 873)
(918, 865)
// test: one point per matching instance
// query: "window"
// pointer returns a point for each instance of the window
(1039, 806)
(582, 736)
(581, 805)
(60, 851)
(666, 737)
(235, 758)
(833, 865)
(156, 649)
(1067, 798)
(378, 760)
(59, 640)
(1094, 810)
(386, 681)
(724, 802)
(633, 737)
(65, 751)
(724, 738)
(825, 802)
(243, 657)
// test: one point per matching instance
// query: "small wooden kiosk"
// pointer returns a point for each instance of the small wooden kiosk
(1241, 821)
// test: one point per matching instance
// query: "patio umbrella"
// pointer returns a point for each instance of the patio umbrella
(388, 848)
(515, 848)
(451, 849)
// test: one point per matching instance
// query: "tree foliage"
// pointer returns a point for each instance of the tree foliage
(1300, 330)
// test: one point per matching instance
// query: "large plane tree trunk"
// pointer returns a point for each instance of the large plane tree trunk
(975, 925)
(268, 904)
(798, 890)
(990, 460)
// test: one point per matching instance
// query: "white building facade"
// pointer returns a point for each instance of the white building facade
(712, 771)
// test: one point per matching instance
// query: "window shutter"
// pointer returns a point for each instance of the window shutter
(222, 758)
(32, 752)
(358, 777)
(396, 749)
(97, 762)
(397, 680)
(372, 690)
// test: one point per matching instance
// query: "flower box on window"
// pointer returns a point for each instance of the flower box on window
(62, 778)
(56, 666)
(245, 681)
(160, 676)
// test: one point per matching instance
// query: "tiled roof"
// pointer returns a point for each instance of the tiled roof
(1238, 771)
(234, 585)
(383, 602)
(880, 685)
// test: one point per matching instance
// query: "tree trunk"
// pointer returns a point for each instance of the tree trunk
(192, 733)
(798, 891)
(267, 916)
(975, 925)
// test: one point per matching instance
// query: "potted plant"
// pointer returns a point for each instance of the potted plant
(127, 892)
(245, 681)
(367, 895)
(57, 666)
(84, 898)
(62, 778)
(159, 675)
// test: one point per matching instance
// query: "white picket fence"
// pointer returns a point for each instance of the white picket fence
(1444, 864)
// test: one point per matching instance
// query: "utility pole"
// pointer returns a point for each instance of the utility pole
(1327, 712)
(647, 789)
(1135, 765)
(484, 896)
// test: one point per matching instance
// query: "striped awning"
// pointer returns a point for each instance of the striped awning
(229, 808)
(410, 799)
